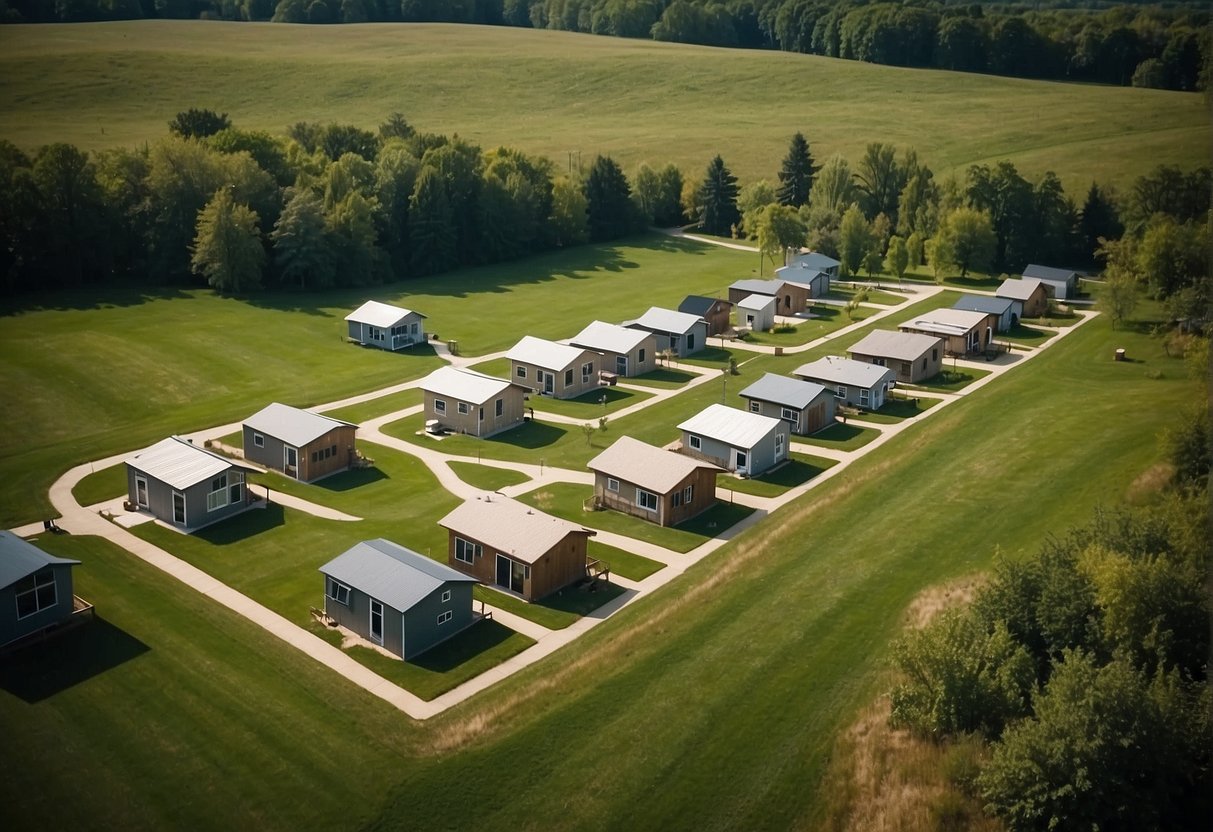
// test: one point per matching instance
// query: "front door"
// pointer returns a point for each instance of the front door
(741, 460)
(178, 508)
(511, 574)
(621, 365)
(141, 491)
(503, 571)
(549, 383)
(290, 461)
(376, 622)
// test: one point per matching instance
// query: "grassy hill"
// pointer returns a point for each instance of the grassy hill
(555, 93)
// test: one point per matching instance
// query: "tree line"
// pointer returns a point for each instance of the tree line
(1085, 667)
(335, 205)
(1148, 46)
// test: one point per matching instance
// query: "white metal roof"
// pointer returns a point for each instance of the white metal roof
(292, 425)
(666, 320)
(464, 385)
(382, 315)
(947, 321)
(738, 428)
(757, 303)
(791, 392)
(19, 559)
(180, 464)
(835, 370)
(903, 346)
(653, 468)
(509, 526)
(390, 573)
(543, 353)
(1018, 289)
(816, 260)
(603, 337)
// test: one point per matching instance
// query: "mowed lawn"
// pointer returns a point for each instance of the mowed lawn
(712, 703)
(569, 96)
(98, 374)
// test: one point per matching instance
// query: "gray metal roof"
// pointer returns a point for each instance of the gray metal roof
(292, 425)
(816, 260)
(665, 320)
(757, 287)
(543, 353)
(834, 370)
(1018, 289)
(699, 305)
(798, 273)
(781, 390)
(737, 428)
(509, 526)
(756, 302)
(390, 573)
(465, 385)
(946, 321)
(1048, 272)
(603, 337)
(180, 464)
(903, 346)
(984, 303)
(382, 315)
(653, 468)
(19, 559)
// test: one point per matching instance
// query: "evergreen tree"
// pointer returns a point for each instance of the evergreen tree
(431, 225)
(227, 249)
(1098, 219)
(719, 213)
(608, 201)
(796, 174)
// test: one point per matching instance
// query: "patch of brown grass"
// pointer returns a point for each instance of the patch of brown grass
(935, 599)
(883, 780)
(1150, 483)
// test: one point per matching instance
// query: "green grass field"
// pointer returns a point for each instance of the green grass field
(712, 703)
(569, 96)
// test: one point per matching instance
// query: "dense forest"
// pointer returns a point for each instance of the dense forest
(1164, 46)
(336, 205)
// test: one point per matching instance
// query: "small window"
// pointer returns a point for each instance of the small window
(640, 355)
(35, 593)
(687, 493)
(755, 407)
(568, 377)
(445, 616)
(339, 592)
(612, 484)
(676, 501)
(498, 408)
(463, 408)
(439, 406)
(646, 500)
(690, 341)
(333, 448)
(520, 371)
(840, 392)
(695, 442)
(258, 440)
(788, 414)
(446, 596)
(466, 551)
(587, 370)
(935, 354)
(315, 456)
(864, 394)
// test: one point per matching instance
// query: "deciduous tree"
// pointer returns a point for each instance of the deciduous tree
(227, 249)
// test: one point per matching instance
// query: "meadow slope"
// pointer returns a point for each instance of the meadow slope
(560, 95)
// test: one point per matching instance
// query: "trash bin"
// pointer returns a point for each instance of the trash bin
(1120, 354)
(453, 347)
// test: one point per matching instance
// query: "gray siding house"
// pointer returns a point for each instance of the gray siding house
(756, 312)
(856, 383)
(913, 356)
(816, 279)
(387, 327)
(817, 261)
(186, 486)
(624, 351)
(1002, 308)
(396, 598)
(1059, 283)
(736, 440)
(805, 406)
(298, 443)
(35, 589)
(678, 332)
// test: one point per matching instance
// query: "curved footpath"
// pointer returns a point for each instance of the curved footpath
(86, 520)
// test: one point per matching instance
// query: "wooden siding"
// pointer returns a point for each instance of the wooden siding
(788, 301)
(818, 414)
(513, 409)
(558, 567)
(718, 318)
(703, 497)
(929, 364)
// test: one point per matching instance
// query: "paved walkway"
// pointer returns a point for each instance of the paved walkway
(300, 504)
(81, 520)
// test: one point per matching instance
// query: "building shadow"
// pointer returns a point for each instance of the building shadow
(41, 669)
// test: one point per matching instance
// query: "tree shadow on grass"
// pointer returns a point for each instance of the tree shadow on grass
(42, 669)
(351, 479)
(838, 432)
(530, 435)
(582, 597)
(94, 297)
(243, 526)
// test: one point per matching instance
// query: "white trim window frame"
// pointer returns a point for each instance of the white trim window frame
(218, 496)
(440, 406)
(840, 392)
(865, 397)
(520, 371)
(587, 370)
(781, 446)
(612, 485)
(687, 494)
(446, 597)
(258, 440)
(464, 408)
(444, 617)
(646, 500)
(141, 493)
(466, 551)
(791, 416)
(755, 406)
(694, 442)
(338, 592)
